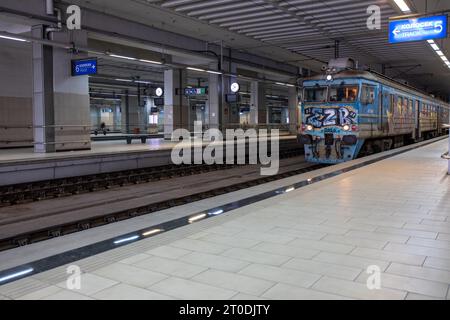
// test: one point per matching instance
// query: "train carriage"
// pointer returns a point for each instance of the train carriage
(351, 113)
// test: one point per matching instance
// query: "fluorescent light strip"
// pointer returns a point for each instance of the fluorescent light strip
(284, 84)
(13, 38)
(196, 69)
(152, 232)
(439, 52)
(290, 189)
(214, 72)
(140, 81)
(122, 57)
(17, 274)
(403, 6)
(150, 61)
(124, 80)
(434, 46)
(197, 217)
(126, 240)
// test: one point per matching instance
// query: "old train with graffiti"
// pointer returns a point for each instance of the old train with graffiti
(354, 113)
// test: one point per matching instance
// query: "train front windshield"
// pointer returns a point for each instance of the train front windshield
(334, 93)
(343, 93)
(316, 94)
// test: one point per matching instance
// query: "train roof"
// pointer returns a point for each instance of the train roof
(377, 77)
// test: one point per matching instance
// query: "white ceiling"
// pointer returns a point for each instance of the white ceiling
(300, 32)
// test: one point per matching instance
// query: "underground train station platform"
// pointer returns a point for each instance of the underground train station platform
(310, 236)
(203, 155)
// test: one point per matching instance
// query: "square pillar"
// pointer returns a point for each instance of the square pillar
(258, 110)
(43, 104)
(61, 105)
(177, 113)
(214, 102)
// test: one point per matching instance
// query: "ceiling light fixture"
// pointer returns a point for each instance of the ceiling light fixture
(196, 69)
(403, 6)
(150, 61)
(122, 57)
(13, 38)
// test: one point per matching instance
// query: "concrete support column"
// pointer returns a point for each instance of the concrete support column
(177, 113)
(125, 128)
(43, 105)
(258, 110)
(71, 96)
(214, 112)
(231, 110)
(117, 117)
(61, 111)
(135, 115)
(294, 111)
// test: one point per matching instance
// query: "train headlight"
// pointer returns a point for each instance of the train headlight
(346, 127)
(329, 77)
(309, 127)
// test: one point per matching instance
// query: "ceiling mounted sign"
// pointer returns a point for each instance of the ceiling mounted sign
(418, 29)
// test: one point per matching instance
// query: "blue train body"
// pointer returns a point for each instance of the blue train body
(358, 112)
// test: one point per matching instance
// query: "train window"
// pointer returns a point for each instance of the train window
(367, 94)
(343, 93)
(405, 105)
(399, 105)
(316, 94)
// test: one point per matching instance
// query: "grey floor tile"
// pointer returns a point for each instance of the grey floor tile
(128, 292)
(171, 267)
(286, 292)
(284, 275)
(90, 284)
(420, 272)
(236, 282)
(357, 290)
(409, 284)
(168, 252)
(191, 290)
(321, 268)
(130, 275)
(214, 261)
(286, 250)
(256, 256)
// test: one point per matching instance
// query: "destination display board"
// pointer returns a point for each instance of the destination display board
(418, 29)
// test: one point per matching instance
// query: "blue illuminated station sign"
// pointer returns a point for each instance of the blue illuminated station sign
(84, 67)
(418, 29)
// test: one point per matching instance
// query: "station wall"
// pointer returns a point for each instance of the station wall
(16, 115)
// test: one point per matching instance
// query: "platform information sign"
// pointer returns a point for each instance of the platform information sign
(195, 91)
(418, 29)
(84, 67)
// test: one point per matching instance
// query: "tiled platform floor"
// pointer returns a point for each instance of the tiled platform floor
(313, 243)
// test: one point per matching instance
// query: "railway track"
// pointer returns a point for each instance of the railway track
(44, 190)
(98, 220)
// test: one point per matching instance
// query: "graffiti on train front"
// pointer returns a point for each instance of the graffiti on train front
(326, 117)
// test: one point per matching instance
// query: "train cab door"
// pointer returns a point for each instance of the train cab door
(417, 131)
(381, 97)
